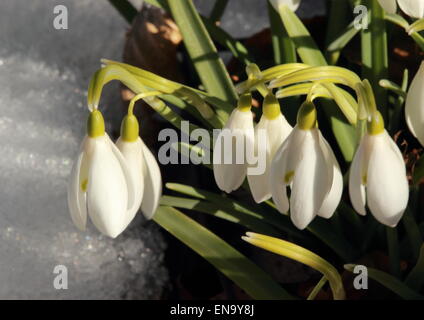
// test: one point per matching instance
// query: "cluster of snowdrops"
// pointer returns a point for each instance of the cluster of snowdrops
(110, 182)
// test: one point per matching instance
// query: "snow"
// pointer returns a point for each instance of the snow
(44, 74)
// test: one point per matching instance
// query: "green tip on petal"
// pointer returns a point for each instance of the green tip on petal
(271, 107)
(129, 128)
(95, 124)
(307, 116)
(245, 102)
(376, 124)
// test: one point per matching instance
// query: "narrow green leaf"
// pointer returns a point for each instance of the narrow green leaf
(273, 218)
(415, 278)
(283, 46)
(318, 227)
(253, 222)
(390, 283)
(125, 8)
(221, 255)
(324, 231)
(393, 249)
(305, 44)
(338, 44)
(379, 51)
(218, 10)
(222, 37)
(412, 231)
(336, 21)
(419, 171)
(202, 51)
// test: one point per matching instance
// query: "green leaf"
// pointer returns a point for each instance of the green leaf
(412, 230)
(125, 8)
(390, 283)
(218, 10)
(318, 227)
(273, 218)
(419, 171)
(305, 44)
(222, 37)
(283, 46)
(337, 45)
(324, 231)
(202, 51)
(337, 19)
(415, 278)
(250, 221)
(221, 255)
(393, 249)
(379, 52)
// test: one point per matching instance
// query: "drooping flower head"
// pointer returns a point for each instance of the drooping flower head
(143, 168)
(378, 175)
(306, 163)
(100, 184)
(276, 129)
(232, 145)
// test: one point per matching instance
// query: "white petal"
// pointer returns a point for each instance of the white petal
(292, 4)
(230, 176)
(308, 193)
(76, 196)
(152, 184)
(107, 191)
(335, 180)
(388, 5)
(357, 172)
(133, 155)
(413, 8)
(276, 132)
(387, 185)
(414, 106)
(127, 175)
(277, 177)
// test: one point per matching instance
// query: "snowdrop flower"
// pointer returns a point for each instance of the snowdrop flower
(234, 141)
(413, 8)
(306, 163)
(100, 185)
(276, 129)
(292, 4)
(143, 168)
(378, 175)
(414, 106)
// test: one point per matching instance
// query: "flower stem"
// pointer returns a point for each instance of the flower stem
(379, 54)
(393, 248)
(202, 51)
